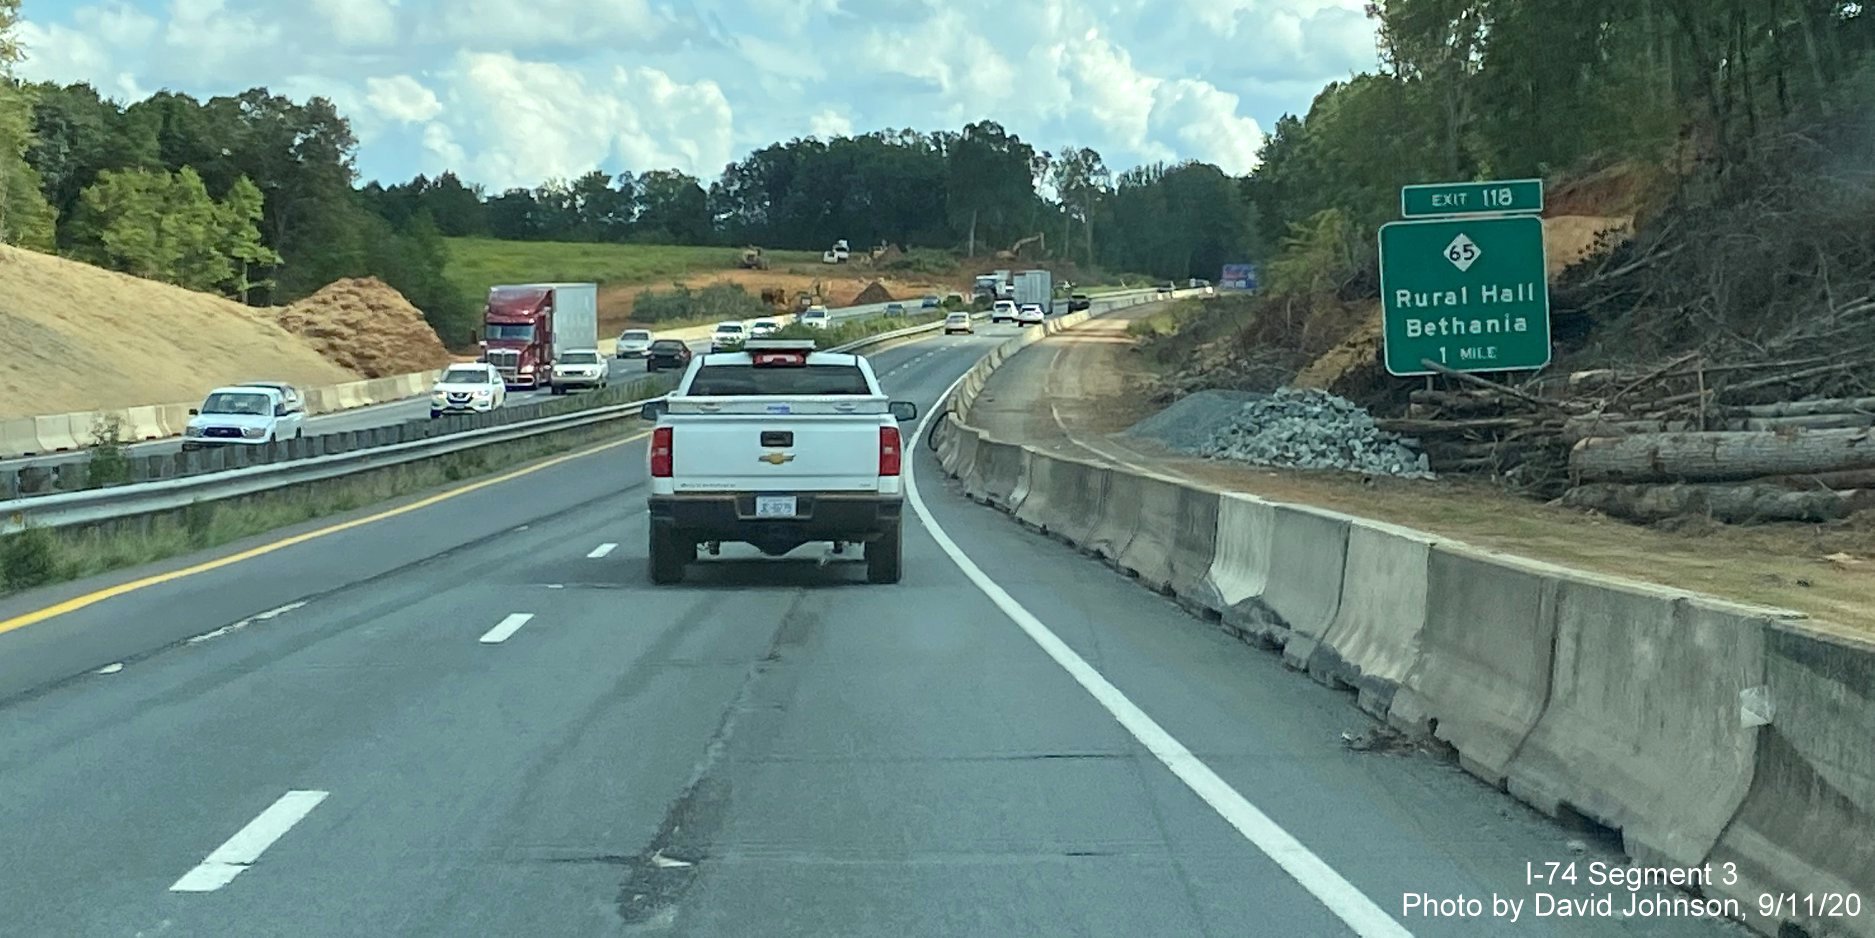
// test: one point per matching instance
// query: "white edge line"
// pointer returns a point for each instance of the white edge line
(601, 551)
(1313, 873)
(506, 627)
(248, 843)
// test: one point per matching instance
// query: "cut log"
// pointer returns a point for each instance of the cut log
(1732, 504)
(1411, 427)
(1580, 428)
(1720, 457)
(1816, 482)
(1834, 405)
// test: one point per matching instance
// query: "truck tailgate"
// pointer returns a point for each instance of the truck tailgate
(729, 453)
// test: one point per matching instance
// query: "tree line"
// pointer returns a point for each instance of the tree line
(975, 191)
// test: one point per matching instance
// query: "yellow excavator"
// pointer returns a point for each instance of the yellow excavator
(1016, 249)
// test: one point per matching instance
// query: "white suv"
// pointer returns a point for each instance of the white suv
(251, 416)
(1003, 311)
(468, 388)
(816, 318)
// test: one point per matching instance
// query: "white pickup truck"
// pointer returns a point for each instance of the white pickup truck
(776, 445)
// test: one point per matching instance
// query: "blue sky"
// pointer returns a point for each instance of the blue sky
(511, 92)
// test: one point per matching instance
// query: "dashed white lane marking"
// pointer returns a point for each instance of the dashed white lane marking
(506, 627)
(244, 623)
(601, 551)
(1314, 874)
(246, 846)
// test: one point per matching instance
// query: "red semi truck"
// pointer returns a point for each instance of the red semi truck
(526, 327)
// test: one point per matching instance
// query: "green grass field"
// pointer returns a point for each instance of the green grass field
(475, 264)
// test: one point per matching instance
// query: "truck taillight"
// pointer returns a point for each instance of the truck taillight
(888, 451)
(661, 453)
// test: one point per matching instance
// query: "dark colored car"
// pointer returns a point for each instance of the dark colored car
(1078, 302)
(895, 309)
(667, 353)
(931, 301)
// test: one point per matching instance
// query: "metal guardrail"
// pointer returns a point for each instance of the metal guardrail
(93, 506)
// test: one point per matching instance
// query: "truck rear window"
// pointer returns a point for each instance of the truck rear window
(725, 380)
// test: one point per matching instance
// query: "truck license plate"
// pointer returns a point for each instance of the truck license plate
(774, 506)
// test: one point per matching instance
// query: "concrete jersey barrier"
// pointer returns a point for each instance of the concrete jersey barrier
(1704, 731)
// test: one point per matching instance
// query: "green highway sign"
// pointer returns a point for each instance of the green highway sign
(1446, 199)
(1471, 294)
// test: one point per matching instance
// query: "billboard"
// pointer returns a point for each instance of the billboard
(1238, 277)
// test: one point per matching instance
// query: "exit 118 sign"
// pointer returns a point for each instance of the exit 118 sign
(1469, 294)
(1447, 199)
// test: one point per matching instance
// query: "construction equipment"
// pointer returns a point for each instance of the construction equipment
(754, 259)
(838, 254)
(1016, 249)
(775, 298)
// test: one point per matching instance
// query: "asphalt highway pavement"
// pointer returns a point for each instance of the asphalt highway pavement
(478, 717)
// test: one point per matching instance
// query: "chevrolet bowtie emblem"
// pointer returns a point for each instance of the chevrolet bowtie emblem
(776, 458)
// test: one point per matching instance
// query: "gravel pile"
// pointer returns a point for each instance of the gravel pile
(1190, 422)
(1312, 430)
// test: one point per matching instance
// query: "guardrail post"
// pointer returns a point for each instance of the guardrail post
(68, 477)
(35, 480)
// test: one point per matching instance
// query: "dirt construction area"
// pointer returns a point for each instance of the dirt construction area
(839, 285)
(1075, 394)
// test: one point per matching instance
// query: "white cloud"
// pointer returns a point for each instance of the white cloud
(204, 40)
(360, 22)
(528, 121)
(441, 148)
(402, 98)
(88, 49)
(828, 124)
(521, 24)
(1206, 122)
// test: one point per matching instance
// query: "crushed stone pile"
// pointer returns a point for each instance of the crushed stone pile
(1312, 429)
(875, 292)
(364, 324)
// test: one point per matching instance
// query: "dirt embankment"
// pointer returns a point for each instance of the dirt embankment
(85, 338)
(366, 326)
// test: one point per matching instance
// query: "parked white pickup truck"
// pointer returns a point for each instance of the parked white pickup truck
(776, 445)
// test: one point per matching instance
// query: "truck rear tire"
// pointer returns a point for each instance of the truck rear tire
(668, 555)
(882, 555)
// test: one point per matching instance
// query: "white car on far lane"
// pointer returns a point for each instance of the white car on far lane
(727, 336)
(633, 343)
(579, 368)
(242, 416)
(816, 317)
(1030, 314)
(959, 322)
(468, 388)
(762, 328)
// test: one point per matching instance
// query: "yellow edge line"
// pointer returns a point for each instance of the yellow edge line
(88, 599)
